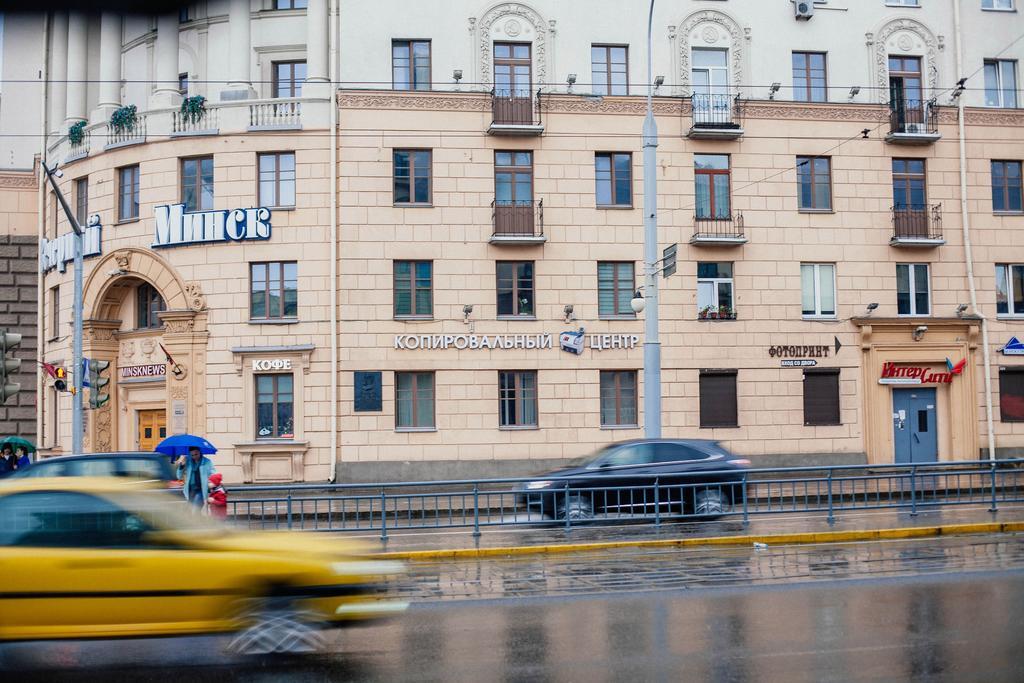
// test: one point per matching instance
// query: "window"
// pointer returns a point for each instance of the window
(183, 15)
(821, 397)
(290, 4)
(609, 69)
(903, 3)
(809, 80)
(275, 409)
(615, 285)
(908, 185)
(905, 87)
(54, 312)
(412, 176)
(513, 178)
(1000, 83)
(718, 398)
(414, 400)
(1011, 394)
(274, 290)
(618, 398)
(912, 289)
(814, 183)
(818, 290)
(1009, 289)
(148, 303)
(65, 519)
(288, 78)
(714, 291)
(517, 398)
(410, 64)
(614, 173)
(413, 287)
(183, 83)
(710, 72)
(513, 75)
(712, 185)
(197, 184)
(128, 192)
(515, 288)
(997, 4)
(277, 179)
(1006, 186)
(82, 201)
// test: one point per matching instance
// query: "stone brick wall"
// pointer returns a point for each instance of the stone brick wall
(18, 308)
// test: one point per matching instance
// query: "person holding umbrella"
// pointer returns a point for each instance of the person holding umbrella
(8, 461)
(14, 452)
(194, 468)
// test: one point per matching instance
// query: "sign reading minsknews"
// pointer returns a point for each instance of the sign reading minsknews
(136, 371)
(176, 228)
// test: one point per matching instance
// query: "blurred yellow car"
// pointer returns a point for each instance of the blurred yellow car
(97, 558)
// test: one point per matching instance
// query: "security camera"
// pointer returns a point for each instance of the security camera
(59, 173)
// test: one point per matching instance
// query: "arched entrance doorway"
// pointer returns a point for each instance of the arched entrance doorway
(151, 326)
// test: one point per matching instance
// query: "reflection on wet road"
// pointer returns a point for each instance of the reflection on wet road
(936, 609)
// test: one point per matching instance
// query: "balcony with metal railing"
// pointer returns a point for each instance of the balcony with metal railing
(122, 136)
(913, 122)
(515, 112)
(917, 225)
(723, 230)
(517, 222)
(715, 117)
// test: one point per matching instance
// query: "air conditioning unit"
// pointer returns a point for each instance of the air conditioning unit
(803, 9)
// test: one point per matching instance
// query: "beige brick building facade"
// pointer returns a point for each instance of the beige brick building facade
(462, 234)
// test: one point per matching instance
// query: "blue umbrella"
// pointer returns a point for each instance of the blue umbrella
(179, 444)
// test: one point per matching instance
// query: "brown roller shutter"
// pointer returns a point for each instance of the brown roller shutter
(821, 397)
(718, 398)
(1011, 394)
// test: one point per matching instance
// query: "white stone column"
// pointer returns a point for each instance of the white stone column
(166, 92)
(317, 77)
(240, 59)
(77, 68)
(110, 66)
(58, 71)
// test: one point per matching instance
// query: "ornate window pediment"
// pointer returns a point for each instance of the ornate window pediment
(710, 29)
(514, 22)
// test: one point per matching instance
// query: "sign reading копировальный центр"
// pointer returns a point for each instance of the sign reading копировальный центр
(175, 227)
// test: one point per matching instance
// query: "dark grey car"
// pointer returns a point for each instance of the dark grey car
(681, 476)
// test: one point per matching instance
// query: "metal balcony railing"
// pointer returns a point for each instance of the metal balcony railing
(917, 222)
(136, 134)
(716, 113)
(913, 117)
(515, 108)
(708, 228)
(515, 218)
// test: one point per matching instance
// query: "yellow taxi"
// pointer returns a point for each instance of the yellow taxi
(98, 558)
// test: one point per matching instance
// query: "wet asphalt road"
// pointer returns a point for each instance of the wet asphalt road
(934, 609)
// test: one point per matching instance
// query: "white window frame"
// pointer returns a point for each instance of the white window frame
(714, 282)
(1000, 89)
(816, 269)
(1008, 7)
(914, 313)
(1007, 278)
(903, 3)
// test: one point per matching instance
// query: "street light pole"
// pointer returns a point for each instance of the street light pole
(652, 346)
(76, 360)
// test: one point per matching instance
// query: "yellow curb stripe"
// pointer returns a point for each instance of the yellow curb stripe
(770, 539)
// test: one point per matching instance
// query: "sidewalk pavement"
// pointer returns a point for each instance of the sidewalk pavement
(774, 529)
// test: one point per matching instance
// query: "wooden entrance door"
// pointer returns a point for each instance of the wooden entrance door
(152, 428)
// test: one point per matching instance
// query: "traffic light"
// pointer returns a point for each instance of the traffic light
(60, 382)
(97, 381)
(9, 366)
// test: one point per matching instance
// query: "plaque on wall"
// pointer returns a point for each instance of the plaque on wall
(368, 392)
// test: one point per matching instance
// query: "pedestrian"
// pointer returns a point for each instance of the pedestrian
(22, 456)
(8, 461)
(218, 500)
(194, 472)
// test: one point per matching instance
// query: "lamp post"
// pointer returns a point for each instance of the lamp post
(76, 307)
(652, 346)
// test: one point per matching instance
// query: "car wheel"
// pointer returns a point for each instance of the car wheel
(275, 626)
(709, 502)
(577, 509)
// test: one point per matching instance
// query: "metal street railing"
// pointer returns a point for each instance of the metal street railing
(477, 504)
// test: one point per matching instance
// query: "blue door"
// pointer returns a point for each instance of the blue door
(914, 430)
